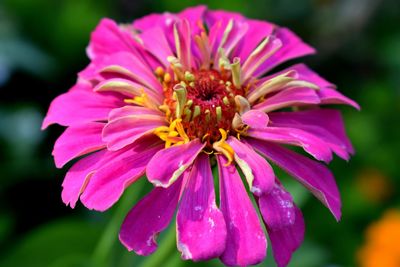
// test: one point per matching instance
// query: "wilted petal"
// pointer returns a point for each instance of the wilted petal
(246, 243)
(201, 227)
(313, 175)
(259, 174)
(168, 164)
(76, 141)
(284, 222)
(148, 218)
(109, 182)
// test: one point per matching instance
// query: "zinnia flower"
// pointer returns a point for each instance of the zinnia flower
(171, 95)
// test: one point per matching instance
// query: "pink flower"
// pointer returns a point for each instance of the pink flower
(169, 96)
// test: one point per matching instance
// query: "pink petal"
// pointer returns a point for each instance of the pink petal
(255, 61)
(168, 164)
(313, 175)
(109, 182)
(289, 98)
(246, 243)
(331, 96)
(76, 141)
(326, 124)
(194, 15)
(77, 177)
(257, 31)
(182, 33)
(215, 16)
(255, 118)
(284, 222)
(109, 38)
(155, 42)
(132, 111)
(148, 218)
(201, 227)
(127, 65)
(123, 131)
(80, 106)
(292, 47)
(258, 172)
(292, 136)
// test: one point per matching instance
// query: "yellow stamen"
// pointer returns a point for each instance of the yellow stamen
(223, 147)
(159, 71)
(142, 100)
(173, 135)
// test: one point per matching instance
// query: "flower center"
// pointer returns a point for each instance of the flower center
(203, 101)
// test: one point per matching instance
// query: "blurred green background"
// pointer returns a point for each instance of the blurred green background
(42, 47)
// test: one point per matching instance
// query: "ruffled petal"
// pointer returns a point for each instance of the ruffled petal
(201, 230)
(284, 222)
(76, 141)
(109, 182)
(326, 124)
(259, 174)
(168, 164)
(77, 177)
(288, 98)
(313, 175)
(292, 136)
(148, 218)
(246, 243)
(80, 106)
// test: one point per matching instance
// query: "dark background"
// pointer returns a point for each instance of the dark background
(42, 47)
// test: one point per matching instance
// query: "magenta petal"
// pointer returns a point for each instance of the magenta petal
(168, 164)
(109, 182)
(326, 124)
(77, 141)
(284, 222)
(313, 175)
(148, 218)
(80, 106)
(77, 177)
(201, 226)
(292, 47)
(109, 38)
(257, 31)
(123, 131)
(255, 118)
(292, 136)
(132, 111)
(246, 243)
(155, 42)
(331, 96)
(258, 172)
(288, 98)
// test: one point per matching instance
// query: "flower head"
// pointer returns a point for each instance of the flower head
(169, 96)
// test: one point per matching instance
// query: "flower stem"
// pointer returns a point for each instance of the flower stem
(101, 254)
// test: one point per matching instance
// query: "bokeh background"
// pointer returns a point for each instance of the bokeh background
(42, 47)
